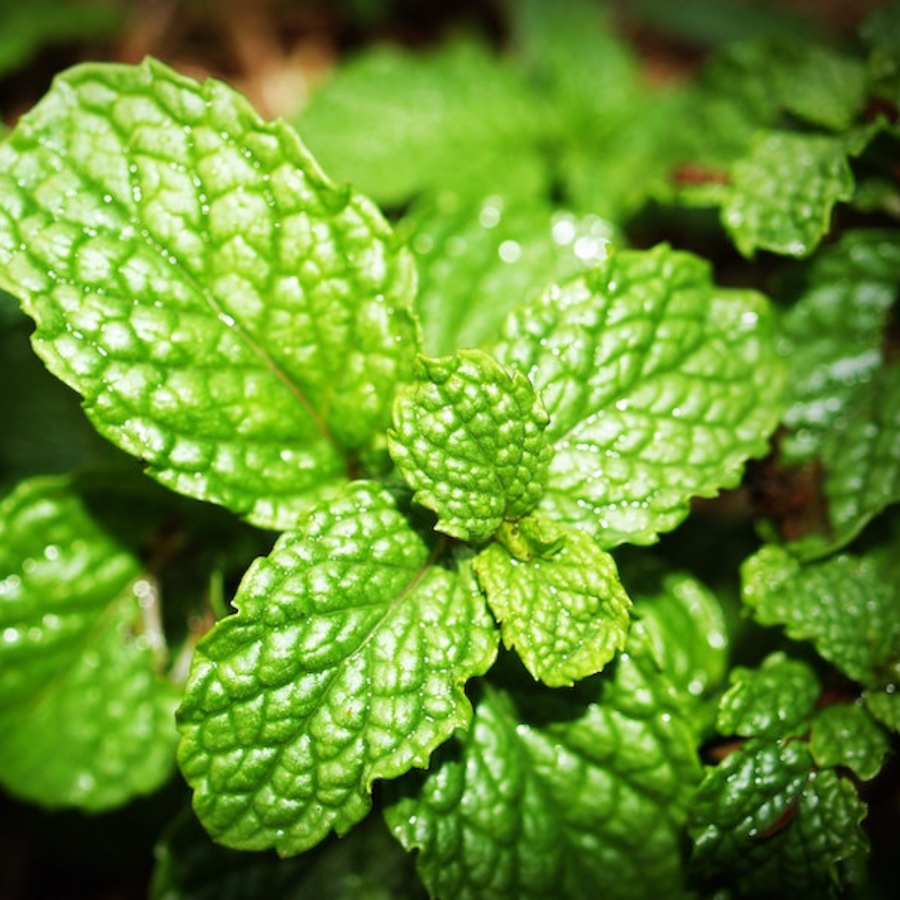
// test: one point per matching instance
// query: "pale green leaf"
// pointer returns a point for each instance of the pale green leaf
(847, 735)
(783, 191)
(344, 664)
(659, 385)
(832, 337)
(468, 438)
(774, 700)
(861, 455)
(480, 258)
(86, 712)
(396, 123)
(845, 605)
(548, 797)
(565, 613)
(229, 316)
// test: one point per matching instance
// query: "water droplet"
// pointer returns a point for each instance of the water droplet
(509, 251)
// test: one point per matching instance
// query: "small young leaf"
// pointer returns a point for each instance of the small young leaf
(782, 193)
(659, 385)
(547, 797)
(468, 438)
(861, 454)
(845, 606)
(772, 701)
(344, 664)
(229, 316)
(86, 714)
(846, 735)
(565, 613)
(885, 706)
(832, 337)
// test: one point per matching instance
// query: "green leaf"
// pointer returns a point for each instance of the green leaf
(344, 664)
(861, 455)
(481, 257)
(566, 613)
(846, 735)
(468, 438)
(783, 192)
(396, 124)
(86, 712)
(832, 337)
(685, 626)
(659, 385)
(765, 823)
(366, 864)
(846, 606)
(547, 797)
(229, 316)
(885, 706)
(774, 700)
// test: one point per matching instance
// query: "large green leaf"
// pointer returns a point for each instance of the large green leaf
(565, 612)
(481, 257)
(396, 123)
(659, 385)
(86, 711)
(468, 437)
(229, 316)
(344, 664)
(831, 338)
(547, 796)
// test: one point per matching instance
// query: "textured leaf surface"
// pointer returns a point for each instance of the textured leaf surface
(771, 701)
(767, 824)
(396, 123)
(847, 606)
(480, 258)
(861, 454)
(566, 614)
(345, 663)
(366, 864)
(885, 706)
(659, 385)
(468, 438)
(685, 626)
(86, 715)
(846, 735)
(782, 193)
(832, 337)
(229, 316)
(548, 797)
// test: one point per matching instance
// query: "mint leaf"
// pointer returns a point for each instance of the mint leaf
(565, 613)
(229, 316)
(885, 706)
(366, 864)
(861, 454)
(832, 337)
(481, 257)
(771, 701)
(659, 385)
(86, 712)
(782, 193)
(468, 438)
(846, 735)
(396, 123)
(685, 626)
(847, 606)
(764, 822)
(344, 664)
(545, 796)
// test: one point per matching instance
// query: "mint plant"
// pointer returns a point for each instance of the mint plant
(373, 524)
